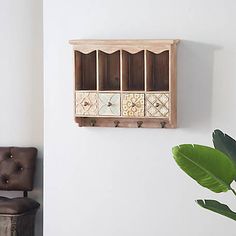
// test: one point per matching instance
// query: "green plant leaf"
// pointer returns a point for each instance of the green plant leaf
(209, 167)
(225, 144)
(217, 207)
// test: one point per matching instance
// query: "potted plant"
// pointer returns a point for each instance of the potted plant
(213, 168)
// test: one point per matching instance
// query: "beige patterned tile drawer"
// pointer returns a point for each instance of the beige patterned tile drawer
(133, 105)
(157, 105)
(86, 103)
(109, 104)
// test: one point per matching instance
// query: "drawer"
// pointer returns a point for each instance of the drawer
(133, 105)
(86, 104)
(157, 105)
(109, 104)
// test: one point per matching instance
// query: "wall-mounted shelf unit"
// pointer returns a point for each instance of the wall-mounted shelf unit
(125, 83)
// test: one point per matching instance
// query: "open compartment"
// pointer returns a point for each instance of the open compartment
(157, 69)
(85, 71)
(109, 70)
(133, 71)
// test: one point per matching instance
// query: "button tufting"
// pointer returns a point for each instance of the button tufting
(19, 168)
(4, 179)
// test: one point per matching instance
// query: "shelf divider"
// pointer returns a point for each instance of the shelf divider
(121, 74)
(145, 70)
(97, 69)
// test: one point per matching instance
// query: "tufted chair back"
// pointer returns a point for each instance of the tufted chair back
(17, 167)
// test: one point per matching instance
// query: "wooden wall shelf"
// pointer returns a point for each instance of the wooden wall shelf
(125, 83)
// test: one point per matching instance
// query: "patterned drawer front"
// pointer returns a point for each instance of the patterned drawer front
(133, 105)
(109, 104)
(157, 105)
(86, 104)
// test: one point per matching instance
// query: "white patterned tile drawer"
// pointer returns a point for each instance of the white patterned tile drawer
(109, 104)
(157, 105)
(86, 103)
(133, 105)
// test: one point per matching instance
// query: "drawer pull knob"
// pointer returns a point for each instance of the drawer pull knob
(109, 104)
(85, 104)
(156, 104)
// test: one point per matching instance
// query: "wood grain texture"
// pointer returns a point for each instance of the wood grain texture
(157, 71)
(133, 71)
(85, 71)
(143, 67)
(109, 71)
(173, 86)
(131, 46)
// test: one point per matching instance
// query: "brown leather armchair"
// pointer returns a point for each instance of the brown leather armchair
(17, 167)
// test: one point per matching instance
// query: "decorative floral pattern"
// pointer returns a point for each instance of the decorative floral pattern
(86, 104)
(157, 105)
(109, 104)
(133, 105)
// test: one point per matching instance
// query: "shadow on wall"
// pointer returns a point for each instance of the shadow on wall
(195, 81)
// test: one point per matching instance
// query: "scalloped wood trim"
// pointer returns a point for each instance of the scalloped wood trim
(131, 49)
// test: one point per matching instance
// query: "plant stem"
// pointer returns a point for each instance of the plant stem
(234, 192)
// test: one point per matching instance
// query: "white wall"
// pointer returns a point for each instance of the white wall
(124, 182)
(21, 83)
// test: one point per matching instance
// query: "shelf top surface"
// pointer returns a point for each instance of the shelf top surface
(123, 41)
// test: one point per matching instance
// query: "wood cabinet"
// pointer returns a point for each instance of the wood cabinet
(125, 83)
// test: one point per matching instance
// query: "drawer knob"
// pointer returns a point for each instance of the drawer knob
(109, 104)
(85, 104)
(156, 104)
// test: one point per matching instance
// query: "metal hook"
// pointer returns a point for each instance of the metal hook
(116, 122)
(92, 122)
(163, 123)
(139, 123)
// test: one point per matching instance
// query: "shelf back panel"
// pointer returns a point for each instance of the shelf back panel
(109, 70)
(157, 71)
(133, 71)
(85, 71)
